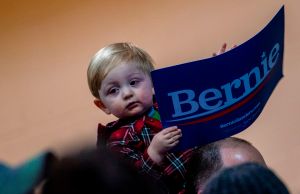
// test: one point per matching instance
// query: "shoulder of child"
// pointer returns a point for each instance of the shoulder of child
(104, 131)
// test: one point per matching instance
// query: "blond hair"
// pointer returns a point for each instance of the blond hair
(110, 57)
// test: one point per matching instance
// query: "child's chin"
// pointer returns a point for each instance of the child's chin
(136, 113)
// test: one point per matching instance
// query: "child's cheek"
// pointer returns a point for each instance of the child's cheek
(149, 99)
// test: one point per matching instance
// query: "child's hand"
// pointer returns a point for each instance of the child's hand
(166, 139)
(223, 49)
(163, 142)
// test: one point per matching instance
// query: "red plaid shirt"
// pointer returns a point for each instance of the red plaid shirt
(132, 138)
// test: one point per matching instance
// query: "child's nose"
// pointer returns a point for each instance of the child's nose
(127, 92)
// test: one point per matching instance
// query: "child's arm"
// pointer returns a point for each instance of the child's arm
(162, 142)
(126, 142)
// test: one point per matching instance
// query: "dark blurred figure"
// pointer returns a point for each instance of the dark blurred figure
(97, 172)
(247, 178)
(209, 159)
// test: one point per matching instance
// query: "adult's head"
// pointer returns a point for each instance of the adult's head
(96, 172)
(246, 178)
(209, 159)
(235, 151)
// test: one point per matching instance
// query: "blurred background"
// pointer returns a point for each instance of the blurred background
(45, 48)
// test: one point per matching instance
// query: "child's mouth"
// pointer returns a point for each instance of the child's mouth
(131, 105)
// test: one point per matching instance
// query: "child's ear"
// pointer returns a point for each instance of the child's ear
(100, 105)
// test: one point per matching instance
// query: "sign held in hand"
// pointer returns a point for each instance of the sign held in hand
(215, 98)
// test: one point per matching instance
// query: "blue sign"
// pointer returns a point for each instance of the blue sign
(215, 98)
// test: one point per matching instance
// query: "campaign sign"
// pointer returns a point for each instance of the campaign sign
(217, 97)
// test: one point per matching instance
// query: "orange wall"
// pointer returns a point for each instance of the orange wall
(46, 47)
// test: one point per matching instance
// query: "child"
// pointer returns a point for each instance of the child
(119, 78)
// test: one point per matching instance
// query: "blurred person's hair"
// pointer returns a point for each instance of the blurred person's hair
(96, 172)
(246, 178)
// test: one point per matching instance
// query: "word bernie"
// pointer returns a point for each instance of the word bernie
(212, 100)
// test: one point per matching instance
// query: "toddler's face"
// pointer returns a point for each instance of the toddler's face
(126, 91)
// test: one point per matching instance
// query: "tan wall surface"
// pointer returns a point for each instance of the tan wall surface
(46, 47)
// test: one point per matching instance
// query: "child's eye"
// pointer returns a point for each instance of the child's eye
(134, 82)
(112, 91)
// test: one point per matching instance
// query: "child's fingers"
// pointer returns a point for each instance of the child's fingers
(174, 143)
(177, 137)
(169, 129)
(223, 48)
(173, 133)
(174, 138)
